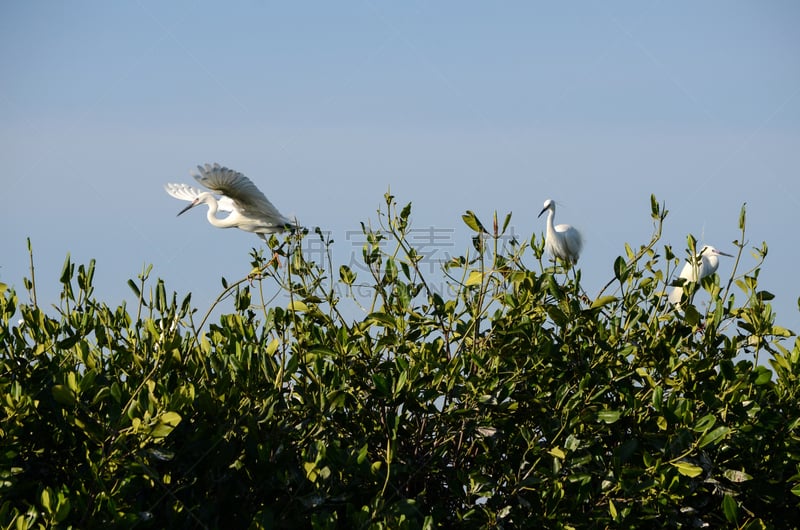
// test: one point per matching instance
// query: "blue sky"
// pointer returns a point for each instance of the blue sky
(454, 105)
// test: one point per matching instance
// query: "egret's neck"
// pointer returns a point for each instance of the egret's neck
(211, 215)
(550, 225)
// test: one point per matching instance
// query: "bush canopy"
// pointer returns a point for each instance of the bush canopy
(511, 399)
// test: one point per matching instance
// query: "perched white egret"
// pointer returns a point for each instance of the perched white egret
(561, 241)
(249, 209)
(704, 264)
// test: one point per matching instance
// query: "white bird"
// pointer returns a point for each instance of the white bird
(702, 265)
(250, 210)
(561, 241)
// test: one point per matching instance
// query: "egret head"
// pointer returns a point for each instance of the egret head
(204, 197)
(549, 204)
(191, 205)
(708, 250)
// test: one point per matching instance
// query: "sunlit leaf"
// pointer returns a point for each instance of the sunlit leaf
(165, 424)
(763, 375)
(474, 278)
(297, 306)
(736, 476)
(346, 275)
(608, 416)
(472, 221)
(603, 301)
(780, 331)
(690, 470)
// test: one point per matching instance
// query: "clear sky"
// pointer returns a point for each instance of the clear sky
(454, 105)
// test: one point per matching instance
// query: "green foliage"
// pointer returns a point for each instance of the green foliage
(508, 399)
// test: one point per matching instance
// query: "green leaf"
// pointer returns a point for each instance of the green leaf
(572, 442)
(731, 508)
(736, 476)
(67, 270)
(779, 331)
(557, 315)
(690, 315)
(311, 471)
(116, 392)
(742, 216)
(472, 221)
(764, 375)
(363, 453)
(165, 424)
(401, 380)
(658, 398)
(390, 273)
(505, 223)
(62, 508)
(381, 385)
(654, 209)
(620, 269)
(557, 452)
(603, 301)
(297, 306)
(765, 296)
(714, 436)
(474, 278)
(346, 275)
(705, 423)
(690, 470)
(64, 395)
(382, 318)
(45, 498)
(134, 288)
(612, 510)
(608, 416)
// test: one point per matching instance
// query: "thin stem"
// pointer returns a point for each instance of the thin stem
(33, 274)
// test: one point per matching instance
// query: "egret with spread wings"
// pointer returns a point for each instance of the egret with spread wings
(248, 208)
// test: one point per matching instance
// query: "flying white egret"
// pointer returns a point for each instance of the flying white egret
(250, 210)
(561, 241)
(704, 264)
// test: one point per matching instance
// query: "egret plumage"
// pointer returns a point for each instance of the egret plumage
(561, 241)
(702, 265)
(249, 209)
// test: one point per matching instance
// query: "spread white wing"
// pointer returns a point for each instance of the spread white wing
(246, 197)
(185, 192)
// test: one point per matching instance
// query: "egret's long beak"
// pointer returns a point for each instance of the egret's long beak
(191, 205)
(724, 254)
(540, 213)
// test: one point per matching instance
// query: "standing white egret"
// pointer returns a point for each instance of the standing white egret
(561, 241)
(250, 210)
(702, 265)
